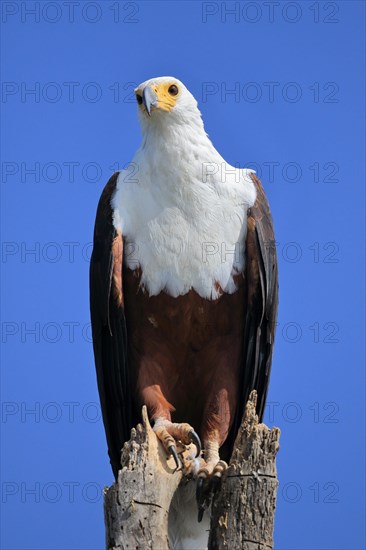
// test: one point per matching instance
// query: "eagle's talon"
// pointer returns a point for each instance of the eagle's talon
(201, 497)
(174, 437)
(209, 480)
(204, 494)
(194, 438)
(199, 487)
(173, 451)
(200, 514)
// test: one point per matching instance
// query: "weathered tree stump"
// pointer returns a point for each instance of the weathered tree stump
(243, 511)
(137, 506)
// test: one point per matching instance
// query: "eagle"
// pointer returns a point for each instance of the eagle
(183, 288)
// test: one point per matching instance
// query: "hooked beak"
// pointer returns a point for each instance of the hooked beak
(149, 99)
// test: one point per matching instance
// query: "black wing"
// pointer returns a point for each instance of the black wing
(261, 275)
(109, 327)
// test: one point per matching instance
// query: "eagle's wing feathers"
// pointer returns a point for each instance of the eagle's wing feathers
(109, 327)
(261, 275)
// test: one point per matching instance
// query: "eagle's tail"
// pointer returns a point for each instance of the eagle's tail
(185, 533)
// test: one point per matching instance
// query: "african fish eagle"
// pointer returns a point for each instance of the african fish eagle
(183, 292)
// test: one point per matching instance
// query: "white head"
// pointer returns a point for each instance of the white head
(165, 100)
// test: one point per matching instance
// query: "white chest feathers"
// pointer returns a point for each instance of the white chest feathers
(190, 238)
(185, 228)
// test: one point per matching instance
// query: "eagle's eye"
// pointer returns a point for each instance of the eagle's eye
(173, 89)
(138, 99)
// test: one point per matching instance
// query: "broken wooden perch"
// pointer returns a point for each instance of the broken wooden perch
(242, 513)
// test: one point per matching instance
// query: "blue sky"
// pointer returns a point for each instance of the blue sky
(281, 89)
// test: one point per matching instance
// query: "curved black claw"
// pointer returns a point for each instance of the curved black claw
(173, 451)
(206, 489)
(194, 438)
(203, 496)
(200, 498)
(199, 487)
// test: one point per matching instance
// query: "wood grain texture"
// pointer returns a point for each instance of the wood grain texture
(243, 511)
(136, 507)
